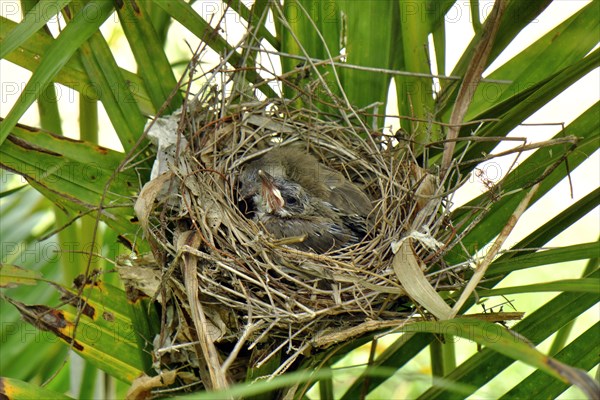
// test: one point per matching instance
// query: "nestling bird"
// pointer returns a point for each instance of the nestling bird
(293, 195)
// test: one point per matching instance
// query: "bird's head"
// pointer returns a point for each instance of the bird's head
(280, 197)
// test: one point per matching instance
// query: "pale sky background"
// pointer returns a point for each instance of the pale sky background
(565, 108)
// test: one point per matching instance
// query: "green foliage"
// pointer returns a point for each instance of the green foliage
(373, 43)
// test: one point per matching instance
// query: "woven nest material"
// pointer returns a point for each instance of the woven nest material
(228, 284)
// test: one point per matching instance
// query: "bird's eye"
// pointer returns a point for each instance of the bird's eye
(291, 200)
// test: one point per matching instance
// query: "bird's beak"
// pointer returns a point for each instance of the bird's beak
(266, 179)
(270, 193)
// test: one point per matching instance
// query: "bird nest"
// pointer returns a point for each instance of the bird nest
(229, 288)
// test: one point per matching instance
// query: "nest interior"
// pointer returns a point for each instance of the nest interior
(227, 283)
